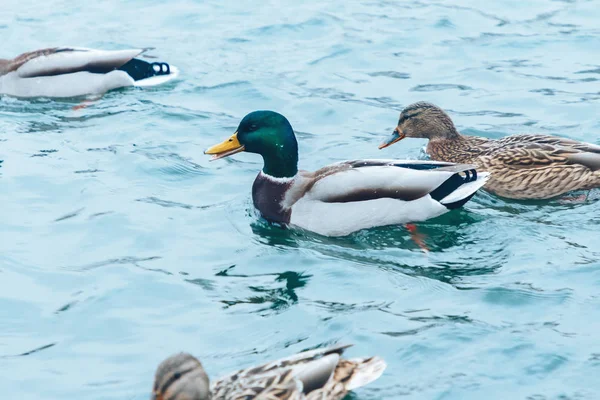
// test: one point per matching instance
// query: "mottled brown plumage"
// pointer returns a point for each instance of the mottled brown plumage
(521, 166)
(319, 374)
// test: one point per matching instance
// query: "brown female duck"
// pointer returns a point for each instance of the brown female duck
(320, 374)
(521, 166)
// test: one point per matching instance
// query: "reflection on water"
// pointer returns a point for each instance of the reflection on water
(278, 299)
(392, 248)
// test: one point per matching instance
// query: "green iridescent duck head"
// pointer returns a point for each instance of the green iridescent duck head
(266, 133)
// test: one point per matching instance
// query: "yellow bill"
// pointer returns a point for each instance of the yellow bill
(225, 149)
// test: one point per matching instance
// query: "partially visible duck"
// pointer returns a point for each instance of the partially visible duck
(521, 166)
(348, 196)
(70, 71)
(312, 375)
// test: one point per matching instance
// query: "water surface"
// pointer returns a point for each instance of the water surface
(120, 243)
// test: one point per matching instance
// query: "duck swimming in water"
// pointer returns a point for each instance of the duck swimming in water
(348, 196)
(311, 375)
(521, 166)
(61, 72)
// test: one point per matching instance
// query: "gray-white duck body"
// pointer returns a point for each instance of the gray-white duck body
(62, 72)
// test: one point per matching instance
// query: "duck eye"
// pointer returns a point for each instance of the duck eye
(404, 117)
(253, 127)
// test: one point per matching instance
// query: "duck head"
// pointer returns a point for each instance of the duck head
(422, 120)
(181, 377)
(266, 133)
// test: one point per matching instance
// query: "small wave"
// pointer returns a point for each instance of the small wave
(165, 203)
(524, 295)
(391, 74)
(439, 87)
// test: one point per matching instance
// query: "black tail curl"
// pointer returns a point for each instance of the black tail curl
(139, 69)
(453, 183)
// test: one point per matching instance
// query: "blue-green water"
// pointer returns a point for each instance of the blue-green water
(120, 243)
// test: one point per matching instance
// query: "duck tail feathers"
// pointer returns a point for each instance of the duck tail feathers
(365, 371)
(140, 69)
(464, 192)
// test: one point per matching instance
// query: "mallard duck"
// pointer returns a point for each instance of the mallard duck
(70, 71)
(318, 374)
(521, 166)
(348, 196)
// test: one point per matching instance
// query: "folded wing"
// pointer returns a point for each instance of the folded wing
(535, 151)
(57, 61)
(288, 377)
(364, 180)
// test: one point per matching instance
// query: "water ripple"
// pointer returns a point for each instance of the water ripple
(439, 87)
